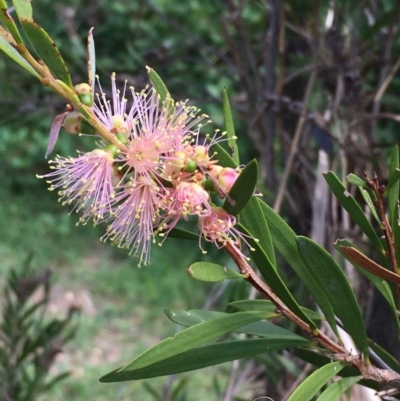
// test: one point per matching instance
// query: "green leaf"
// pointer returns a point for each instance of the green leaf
(330, 277)
(91, 60)
(335, 390)
(264, 305)
(367, 198)
(15, 56)
(261, 329)
(243, 189)
(356, 180)
(381, 285)
(353, 208)
(220, 155)
(284, 238)
(158, 84)
(309, 387)
(206, 271)
(274, 280)
(387, 357)
(180, 233)
(394, 168)
(252, 218)
(202, 357)
(23, 9)
(9, 23)
(319, 360)
(355, 256)
(47, 50)
(229, 127)
(192, 337)
(393, 198)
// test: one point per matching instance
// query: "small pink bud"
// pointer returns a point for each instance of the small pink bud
(227, 177)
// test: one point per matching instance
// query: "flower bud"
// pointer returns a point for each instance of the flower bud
(84, 92)
(201, 154)
(190, 166)
(75, 123)
(208, 185)
(113, 150)
(227, 177)
(122, 137)
(178, 161)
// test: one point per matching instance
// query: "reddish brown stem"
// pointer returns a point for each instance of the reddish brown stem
(337, 352)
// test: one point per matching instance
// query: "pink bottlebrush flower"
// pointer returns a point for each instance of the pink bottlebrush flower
(135, 214)
(158, 132)
(219, 227)
(152, 131)
(187, 199)
(86, 181)
(112, 114)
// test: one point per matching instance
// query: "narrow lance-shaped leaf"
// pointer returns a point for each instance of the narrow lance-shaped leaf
(9, 50)
(47, 50)
(274, 280)
(261, 328)
(54, 131)
(253, 219)
(393, 200)
(91, 60)
(309, 387)
(193, 337)
(330, 277)
(356, 180)
(335, 390)
(386, 356)
(23, 9)
(159, 85)
(284, 238)
(180, 233)
(264, 305)
(8, 22)
(369, 265)
(211, 272)
(229, 127)
(368, 200)
(369, 272)
(353, 208)
(243, 189)
(222, 156)
(204, 356)
(374, 279)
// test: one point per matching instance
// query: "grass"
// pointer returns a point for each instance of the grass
(122, 305)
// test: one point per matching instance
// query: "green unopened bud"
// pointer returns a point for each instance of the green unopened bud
(84, 92)
(209, 185)
(122, 137)
(190, 166)
(113, 150)
(75, 123)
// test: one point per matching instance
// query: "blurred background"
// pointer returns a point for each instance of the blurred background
(313, 86)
